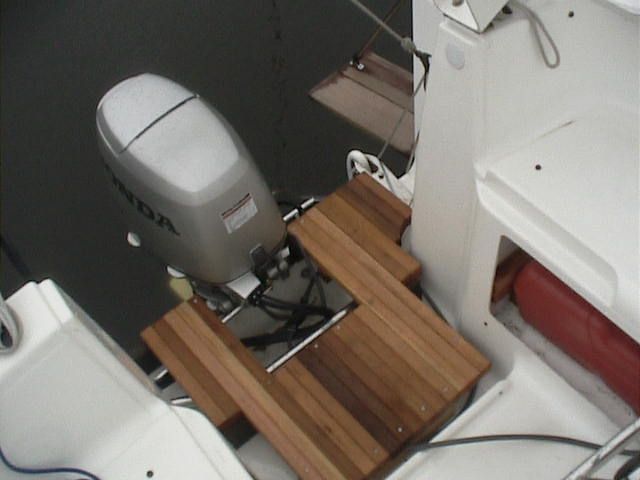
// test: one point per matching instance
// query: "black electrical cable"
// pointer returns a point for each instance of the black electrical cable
(15, 258)
(292, 308)
(274, 315)
(513, 437)
(296, 312)
(470, 398)
(285, 305)
(315, 275)
(281, 335)
(298, 317)
(304, 299)
(628, 468)
(45, 471)
(289, 203)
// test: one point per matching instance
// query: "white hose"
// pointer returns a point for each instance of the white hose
(356, 157)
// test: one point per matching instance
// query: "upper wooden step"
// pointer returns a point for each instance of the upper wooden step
(374, 203)
(189, 369)
(372, 99)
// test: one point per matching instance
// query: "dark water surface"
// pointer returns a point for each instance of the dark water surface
(254, 61)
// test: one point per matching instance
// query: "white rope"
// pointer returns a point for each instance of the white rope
(538, 26)
(405, 42)
(380, 22)
(355, 157)
(393, 132)
(402, 115)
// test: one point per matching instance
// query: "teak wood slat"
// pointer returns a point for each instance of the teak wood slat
(396, 261)
(419, 396)
(387, 394)
(337, 410)
(323, 417)
(204, 390)
(263, 400)
(390, 372)
(385, 78)
(391, 344)
(373, 99)
(390, 215)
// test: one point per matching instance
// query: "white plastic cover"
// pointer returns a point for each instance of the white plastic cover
(632, 6)
(124, 113)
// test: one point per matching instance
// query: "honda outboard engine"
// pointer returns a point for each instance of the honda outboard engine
(185, 182)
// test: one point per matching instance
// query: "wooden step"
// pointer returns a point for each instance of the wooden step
(343, 407)
(346, 405)
(370, 284)
(376, 204)
(372, 99)
(189, 371)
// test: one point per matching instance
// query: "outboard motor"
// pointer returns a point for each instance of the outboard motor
(186, 184)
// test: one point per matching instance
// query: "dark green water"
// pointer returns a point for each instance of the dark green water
(255, 61)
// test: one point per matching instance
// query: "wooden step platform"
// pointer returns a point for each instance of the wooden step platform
(387, 374)
(372, 99)
(370, 201)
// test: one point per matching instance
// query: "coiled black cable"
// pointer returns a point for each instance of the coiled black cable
(292, 306)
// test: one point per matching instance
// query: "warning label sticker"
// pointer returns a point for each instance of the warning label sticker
(239, 214)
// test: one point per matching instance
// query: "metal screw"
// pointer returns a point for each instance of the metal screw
(400, 429)
(357, 65)
(423, 408)
(315, 345)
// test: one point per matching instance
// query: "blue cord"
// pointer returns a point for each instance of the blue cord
(44, 471)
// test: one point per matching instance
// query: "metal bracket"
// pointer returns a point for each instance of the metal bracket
(474, 14)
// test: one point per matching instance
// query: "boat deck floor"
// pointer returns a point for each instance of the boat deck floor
(387, 374)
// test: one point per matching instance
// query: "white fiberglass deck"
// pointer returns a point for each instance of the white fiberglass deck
(527, 401)
(487, 121)
(577, 186)
(70, 397)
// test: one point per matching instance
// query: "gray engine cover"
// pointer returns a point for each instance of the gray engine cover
(185, 182)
